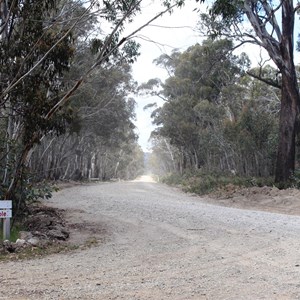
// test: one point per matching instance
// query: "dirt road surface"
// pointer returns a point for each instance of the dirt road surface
(156, 242)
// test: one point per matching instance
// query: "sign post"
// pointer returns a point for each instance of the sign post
(5, 214)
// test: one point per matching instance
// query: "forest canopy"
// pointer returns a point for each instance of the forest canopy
(216, 117)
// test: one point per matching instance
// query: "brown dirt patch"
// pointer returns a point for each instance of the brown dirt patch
(264, 198)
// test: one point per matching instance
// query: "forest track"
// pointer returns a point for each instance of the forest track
(156, 242)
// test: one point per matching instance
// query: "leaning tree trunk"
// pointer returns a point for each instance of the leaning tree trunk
(20, 165)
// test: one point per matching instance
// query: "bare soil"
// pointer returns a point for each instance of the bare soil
(156, 242)
(264, 198)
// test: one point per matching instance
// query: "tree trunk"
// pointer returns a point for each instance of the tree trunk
(19, 168)
(281, 50)
(290, 98)
(285, 164)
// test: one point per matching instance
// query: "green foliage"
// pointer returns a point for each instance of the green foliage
(37, 72)
(100, 142)
(254, 129)
(96, 45)
(130, 51)
(202, 183)
(34, 192)
(266, 29)
(172, 179)
(217, 117)
(113, 9)
(228, 9)
(222, 17)
(27, 192)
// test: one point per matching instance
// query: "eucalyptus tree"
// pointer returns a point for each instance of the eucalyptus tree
(271, 25)
(216, 116)
(101, 132)
(194, 108)
(38, 40)
(31, 81)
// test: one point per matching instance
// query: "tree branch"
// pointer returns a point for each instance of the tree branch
(101, 58)
(297, 8)
(10, 87)
(268, 81)
(272, 18)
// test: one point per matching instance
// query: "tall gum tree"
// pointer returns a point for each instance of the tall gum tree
(272, 26)
(112, 46)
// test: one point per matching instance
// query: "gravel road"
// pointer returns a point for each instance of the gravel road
(159, 243)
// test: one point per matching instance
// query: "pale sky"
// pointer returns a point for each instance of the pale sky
(157, 40)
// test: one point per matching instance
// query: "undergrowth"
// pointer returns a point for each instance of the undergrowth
(204, 183)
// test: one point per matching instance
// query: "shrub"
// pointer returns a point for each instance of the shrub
(204, 183)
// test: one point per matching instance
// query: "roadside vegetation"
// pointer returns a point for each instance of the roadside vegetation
(204, 183)
(222, 115)
(218, 124)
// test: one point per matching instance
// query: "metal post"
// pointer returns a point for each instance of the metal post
(5, 214)
(6, 229)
